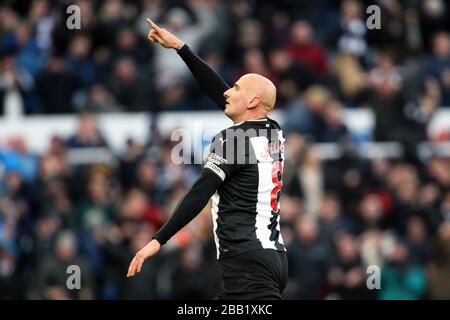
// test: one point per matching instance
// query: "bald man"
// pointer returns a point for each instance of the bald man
(243, 178)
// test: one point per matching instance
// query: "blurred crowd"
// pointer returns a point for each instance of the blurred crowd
(400, 71)
(339, 216)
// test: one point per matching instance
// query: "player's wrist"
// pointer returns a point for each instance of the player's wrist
(156, 242)
(179, 45)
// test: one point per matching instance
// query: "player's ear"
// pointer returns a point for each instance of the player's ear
(254, 102)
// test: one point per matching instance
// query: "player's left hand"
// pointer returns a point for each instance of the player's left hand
(146, 252)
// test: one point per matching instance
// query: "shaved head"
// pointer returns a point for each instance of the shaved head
(262, 87)
(252, 97)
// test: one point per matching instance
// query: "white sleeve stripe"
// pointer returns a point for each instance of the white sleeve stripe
(216, 169)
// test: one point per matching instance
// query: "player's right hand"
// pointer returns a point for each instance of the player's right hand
(163, 37)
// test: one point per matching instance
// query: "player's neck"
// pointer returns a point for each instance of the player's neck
(252, 117)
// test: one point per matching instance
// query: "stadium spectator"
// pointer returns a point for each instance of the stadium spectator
(438, 65)
(386, 98)
(291, 77)
(305, 115)
(129, 86)
(332, 220)
(335, 127)
(16, 85)
(25, 47)
(8, 275)
(439, 264)
(79, 60)
(346, 272)
(87, 134)
(302, 47)
(417, 240)
(350, 76)
(402, 279)
(51, 275)
(307, 260)
(56, 87)
(352, 29)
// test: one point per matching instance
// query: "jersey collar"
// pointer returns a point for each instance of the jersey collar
(237, 124)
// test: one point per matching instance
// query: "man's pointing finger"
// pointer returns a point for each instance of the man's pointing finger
(154, 25)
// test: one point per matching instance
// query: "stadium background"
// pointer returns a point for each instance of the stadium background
(86, 174)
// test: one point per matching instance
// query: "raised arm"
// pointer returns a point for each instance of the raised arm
(208, 79)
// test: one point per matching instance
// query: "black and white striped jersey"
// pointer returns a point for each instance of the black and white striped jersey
(249, 158)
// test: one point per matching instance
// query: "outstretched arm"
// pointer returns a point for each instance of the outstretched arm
(189, 207)
(208, 79)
